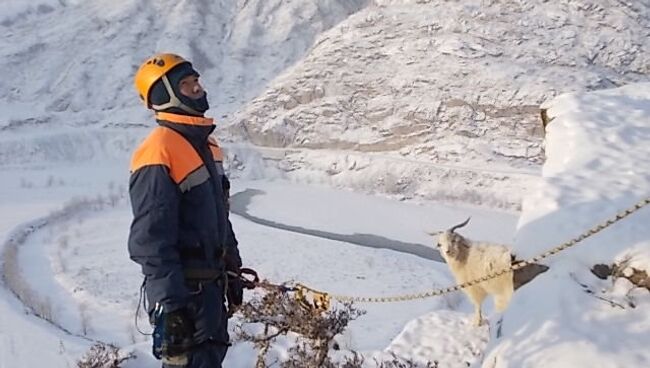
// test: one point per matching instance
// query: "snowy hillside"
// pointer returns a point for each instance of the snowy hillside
(72, 61)
(435, 100)
(402, 99)
(68, 262)
(365, 95)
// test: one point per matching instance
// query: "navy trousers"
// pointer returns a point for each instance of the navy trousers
(206, 355)
(206, 307)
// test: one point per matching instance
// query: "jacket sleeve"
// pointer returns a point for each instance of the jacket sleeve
(233, 259)
(153, 238)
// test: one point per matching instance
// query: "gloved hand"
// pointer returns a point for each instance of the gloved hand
(234, 283)
(234, 291)
(179, 329)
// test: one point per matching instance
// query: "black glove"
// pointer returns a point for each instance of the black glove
(179, 329)
(234, 285)
(234, 291)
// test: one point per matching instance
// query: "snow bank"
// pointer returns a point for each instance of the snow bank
(597, 165)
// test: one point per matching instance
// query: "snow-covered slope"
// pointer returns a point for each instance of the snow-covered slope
(72, 61)
(597, 166)
(435, 84)
(413, 98)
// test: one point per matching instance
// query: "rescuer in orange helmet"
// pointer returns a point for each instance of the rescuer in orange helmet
(181, 235)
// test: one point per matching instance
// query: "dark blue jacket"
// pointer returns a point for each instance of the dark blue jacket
(180, 220)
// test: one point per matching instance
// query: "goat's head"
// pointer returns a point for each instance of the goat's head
(451, 245)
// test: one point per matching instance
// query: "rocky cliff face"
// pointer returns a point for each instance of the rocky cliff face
(421, 97)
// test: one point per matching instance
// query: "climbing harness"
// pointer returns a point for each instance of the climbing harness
(142, 302)
(320, 301)
(248, 282)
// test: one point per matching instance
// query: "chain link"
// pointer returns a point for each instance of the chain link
(516, 266)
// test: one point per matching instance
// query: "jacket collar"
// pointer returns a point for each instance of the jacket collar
(184, 119)
(194, 128)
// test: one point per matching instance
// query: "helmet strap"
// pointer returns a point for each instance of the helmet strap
(173, 100)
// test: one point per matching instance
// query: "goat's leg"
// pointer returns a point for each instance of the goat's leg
(478, 318)
(502, 289)
(501, 301)
(477, 295)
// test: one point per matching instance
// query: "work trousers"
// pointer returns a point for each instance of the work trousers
(207, 355)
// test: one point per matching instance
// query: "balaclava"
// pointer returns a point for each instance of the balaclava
(159, 94)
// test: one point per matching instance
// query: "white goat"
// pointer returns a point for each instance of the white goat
(472, 260)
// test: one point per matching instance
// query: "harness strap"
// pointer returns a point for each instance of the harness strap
(203, 274)
(248, 282)
(192, 253)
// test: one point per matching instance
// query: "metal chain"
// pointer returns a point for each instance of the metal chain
(514, 267)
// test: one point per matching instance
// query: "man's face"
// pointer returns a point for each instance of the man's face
(190, 87)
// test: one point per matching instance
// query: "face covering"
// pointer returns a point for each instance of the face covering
(200, 104)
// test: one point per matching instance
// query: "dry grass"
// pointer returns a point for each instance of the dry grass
(103, 355)
(281, 314)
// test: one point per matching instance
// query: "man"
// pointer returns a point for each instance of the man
(181, 234)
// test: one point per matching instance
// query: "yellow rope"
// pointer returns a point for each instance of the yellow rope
(303, 289)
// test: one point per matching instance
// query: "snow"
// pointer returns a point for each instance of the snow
(374, 122)
(78, 265)
(72, 61)
(13, 9)
(78, 262)
(453, 83)
(596, 167)
(405, 221)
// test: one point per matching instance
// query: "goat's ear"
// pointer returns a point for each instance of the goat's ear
(433, 233)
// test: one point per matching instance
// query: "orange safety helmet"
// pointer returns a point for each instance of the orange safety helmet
(152, 70)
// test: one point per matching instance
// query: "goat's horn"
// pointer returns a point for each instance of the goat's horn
(459, 225)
